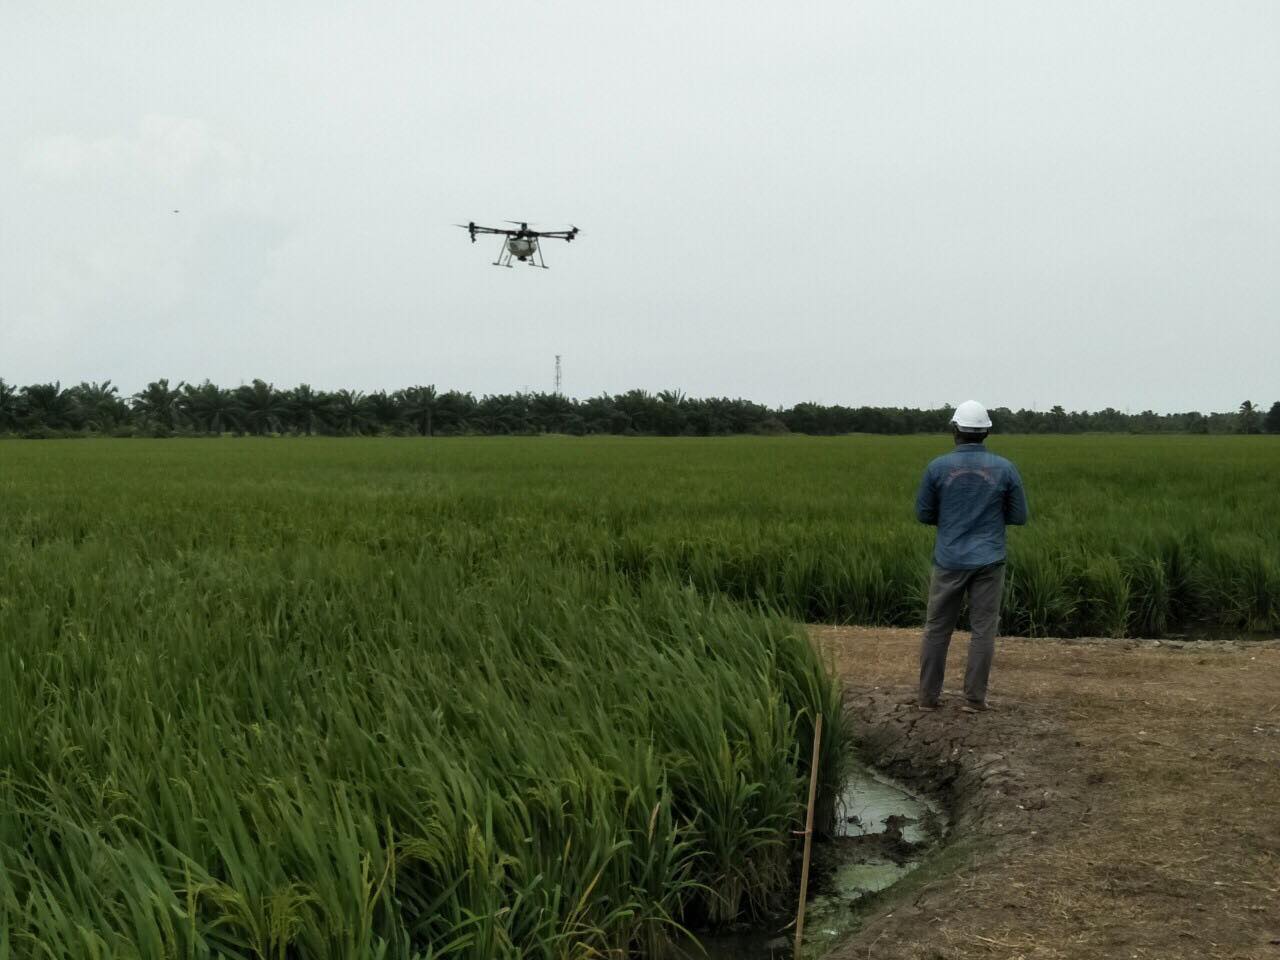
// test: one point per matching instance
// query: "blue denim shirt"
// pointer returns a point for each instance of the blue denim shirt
(969, 495)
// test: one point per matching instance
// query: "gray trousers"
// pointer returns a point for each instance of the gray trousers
(947, 590)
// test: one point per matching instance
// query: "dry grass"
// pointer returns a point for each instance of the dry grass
(1173, 846)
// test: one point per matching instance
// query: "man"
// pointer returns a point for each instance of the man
(969, 495)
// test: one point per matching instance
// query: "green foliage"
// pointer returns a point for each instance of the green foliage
(350, 700)
(1106, 591)
(263, 409)
(1039, 597)
(536, 697)
(1250, 418)
(1272, 422)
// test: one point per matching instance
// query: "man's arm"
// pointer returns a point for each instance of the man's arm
(927, 500)
(1015, 500)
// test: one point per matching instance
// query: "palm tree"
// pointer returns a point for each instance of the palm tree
(265, 408)
(716, 415)
(1249, 418)
(100, 405)
(639, 408)
(385, 410)
(10, 406)
(209, 407)
(671, 413)
(602, 416)
(157, 406)
(551, 411)
(504, 413)
(456, 411)
(351, 413)
(1058, 417)
(47, 405)
(420, 405)
(312, 409)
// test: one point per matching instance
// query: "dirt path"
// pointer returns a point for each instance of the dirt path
(1123, 800)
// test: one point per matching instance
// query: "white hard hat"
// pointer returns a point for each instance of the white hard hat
(971, 417)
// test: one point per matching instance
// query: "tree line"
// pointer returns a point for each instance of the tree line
(260, 408)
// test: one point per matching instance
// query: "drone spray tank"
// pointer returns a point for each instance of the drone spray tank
(522, 247)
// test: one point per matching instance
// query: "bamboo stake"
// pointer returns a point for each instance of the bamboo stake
(808, 834)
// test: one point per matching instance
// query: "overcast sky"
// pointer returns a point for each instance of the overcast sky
(857, 202)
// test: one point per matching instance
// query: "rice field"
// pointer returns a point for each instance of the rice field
(537, 697)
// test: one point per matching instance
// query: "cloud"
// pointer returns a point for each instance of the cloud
(172, 150)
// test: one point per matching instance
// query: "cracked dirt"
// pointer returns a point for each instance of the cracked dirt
(1122, 800)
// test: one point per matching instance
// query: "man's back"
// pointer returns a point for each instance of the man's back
(970, 494)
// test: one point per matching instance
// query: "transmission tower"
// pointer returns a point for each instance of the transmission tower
(557, 374)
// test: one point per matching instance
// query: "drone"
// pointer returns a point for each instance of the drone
(520, 244)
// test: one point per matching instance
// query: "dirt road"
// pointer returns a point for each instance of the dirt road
(1121, 801)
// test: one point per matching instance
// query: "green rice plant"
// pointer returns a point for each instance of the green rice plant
(1244, 584)
(1179, 554)
(1105, 598)
(1039, 600)
(1261, 577)
(1152, 595)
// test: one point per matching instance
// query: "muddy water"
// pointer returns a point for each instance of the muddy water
(883, 833)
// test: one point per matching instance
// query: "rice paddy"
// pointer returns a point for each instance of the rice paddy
(500, 698)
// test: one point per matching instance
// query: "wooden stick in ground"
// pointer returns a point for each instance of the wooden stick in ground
(808, 834)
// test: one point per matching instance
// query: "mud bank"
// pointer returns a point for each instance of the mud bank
(1119, 802)
(990, 774)
(985, 769)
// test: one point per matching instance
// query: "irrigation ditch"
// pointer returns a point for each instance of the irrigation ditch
(982, 771)
(929, 793)
(932, 792)
(884, 831)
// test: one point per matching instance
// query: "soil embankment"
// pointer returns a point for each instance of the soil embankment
(1122, 800)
